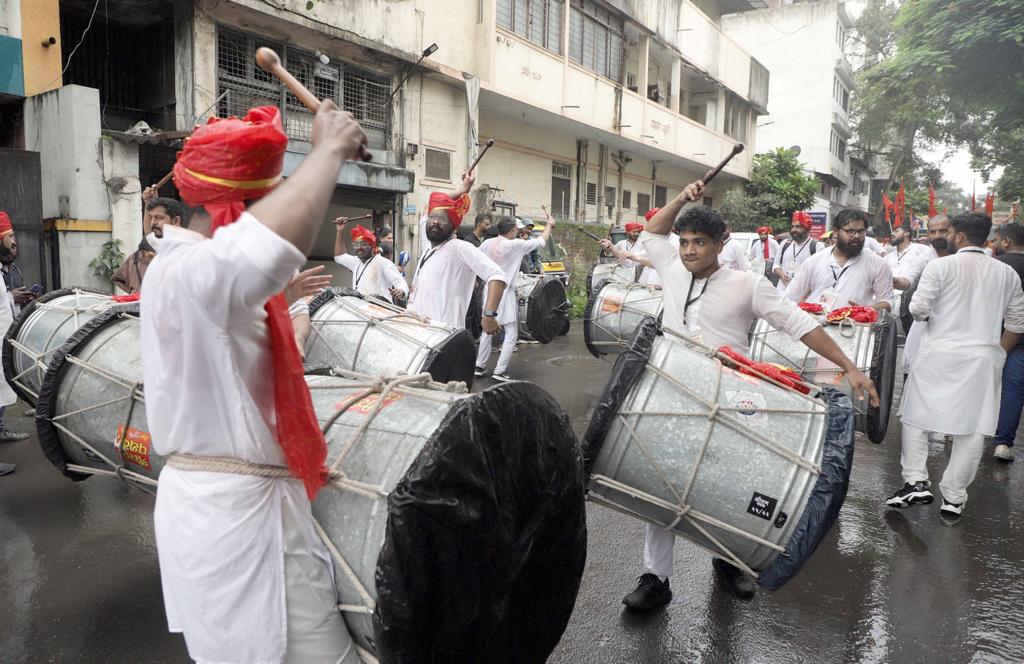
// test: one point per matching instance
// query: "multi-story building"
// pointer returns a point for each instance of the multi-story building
(803, 44)
(598, 110)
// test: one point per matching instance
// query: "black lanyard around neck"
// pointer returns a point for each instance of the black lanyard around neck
(360, 273)
(430, 254)
(691, 300)
(835, 277)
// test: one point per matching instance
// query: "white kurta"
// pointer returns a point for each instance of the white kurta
(626, 245)
(864, 279)
(955, 382)
(757, 250)
(874, 246)
(733, 256)
(508, 255)
(792, 257)
(7, 395)
(209, 391)
(443, 285)
(373, 277)
(724, 310)
(908, 263)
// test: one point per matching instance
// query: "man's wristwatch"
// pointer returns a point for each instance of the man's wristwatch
(490, 314)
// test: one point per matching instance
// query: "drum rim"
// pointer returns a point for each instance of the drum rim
(449, 347)
(875, 426)
(49, 437)
(328, 294)
(533, 304)
(7, 352)
(588, 311)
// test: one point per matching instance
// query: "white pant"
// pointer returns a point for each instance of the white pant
(658, 543)
(960, 471)
(316, 630)
(507, 348)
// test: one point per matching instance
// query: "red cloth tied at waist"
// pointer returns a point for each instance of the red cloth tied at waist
(225, 163)
(856, 314)
(811, 307)
(780, 374)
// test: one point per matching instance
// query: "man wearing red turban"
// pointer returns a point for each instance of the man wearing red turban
(8, 308)
(243, 572)
(765, 250)
(372, 274)
(793, 252)
(442, 286)
(623, 250)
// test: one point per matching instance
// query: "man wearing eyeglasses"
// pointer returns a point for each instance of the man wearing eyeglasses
(845, 275)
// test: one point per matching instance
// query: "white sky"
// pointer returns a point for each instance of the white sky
(957, 169)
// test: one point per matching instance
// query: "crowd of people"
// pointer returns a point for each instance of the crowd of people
(221, 328)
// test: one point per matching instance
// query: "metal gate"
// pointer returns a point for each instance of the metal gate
(21, 198)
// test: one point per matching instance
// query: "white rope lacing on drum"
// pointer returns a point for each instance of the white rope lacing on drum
(616, 316)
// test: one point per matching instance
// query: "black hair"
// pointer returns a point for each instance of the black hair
(974, 225)
(703, 220)
(844, 218)
(505, 224)
(1013, 232)
(480, 218)
(172, 207)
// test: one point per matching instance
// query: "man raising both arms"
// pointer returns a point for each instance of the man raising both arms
(443, 284)
(720, 306)
(372, 274)
(507, 251)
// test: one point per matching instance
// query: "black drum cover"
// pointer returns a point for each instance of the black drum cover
(546, 311)
(906, 318)
(883, 374)
(590, 279)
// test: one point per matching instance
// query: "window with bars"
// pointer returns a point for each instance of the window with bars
(438, 164)
(591, 193)
(359, 92)
(643, 203)
(627, 199)
(595, 39)
(539, 21)
(660, 196)
(561, 170)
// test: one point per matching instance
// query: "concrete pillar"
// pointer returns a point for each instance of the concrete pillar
(677, 86)
(121, 175)
(719, 125)
(643, 64)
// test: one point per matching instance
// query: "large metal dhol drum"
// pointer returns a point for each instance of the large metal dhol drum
(871, 346)
(40, 329)
(750, 470)
(543, 307)
(615, 312)
(374, 337)
(603, 272)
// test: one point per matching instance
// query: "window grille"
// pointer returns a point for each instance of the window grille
(439, 164)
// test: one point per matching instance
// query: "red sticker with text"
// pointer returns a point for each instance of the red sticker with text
(368, 403)
(611, 306)
(134, 448)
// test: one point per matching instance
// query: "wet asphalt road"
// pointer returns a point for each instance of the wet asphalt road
(79, 579)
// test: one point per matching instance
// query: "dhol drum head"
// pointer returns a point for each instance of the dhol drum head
(446, 547)
(603, 272)
(615, 312)
(374, 337)
(871, 346)
(39, 330)
(543, 307)
(750, 470)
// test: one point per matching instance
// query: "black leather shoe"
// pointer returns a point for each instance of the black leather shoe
(733, 580)
(651, 593)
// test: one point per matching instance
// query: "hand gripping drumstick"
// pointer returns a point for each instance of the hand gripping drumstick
(710, 175)
(269, 62)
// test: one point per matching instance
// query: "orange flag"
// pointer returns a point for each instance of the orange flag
(931, 201)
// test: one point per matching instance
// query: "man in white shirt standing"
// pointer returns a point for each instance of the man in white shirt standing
(766, 248)
(507, 251)
(796, 250)
(733, 256)
(954, 384)
(245, 577)
(845, 275)
(720, 305)
(372, 274)
(628, 245)
(442, 287)
(907, 260)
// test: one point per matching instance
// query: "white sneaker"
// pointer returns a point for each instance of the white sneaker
(951, 509)
(479, 372)
(1003, 453)
(502, 377)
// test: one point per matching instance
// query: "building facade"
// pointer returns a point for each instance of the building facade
(803, 44)
(599, 110)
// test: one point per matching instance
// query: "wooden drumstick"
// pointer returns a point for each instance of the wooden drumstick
(487, 146)
(359, 218)
(269, 62)
(710, 175)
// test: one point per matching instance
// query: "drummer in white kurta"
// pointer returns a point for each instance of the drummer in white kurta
(637, 256)
(372, 274)
(245, 577)
(447, 271)
(507, 251)
(719, 306)
(845, 275)
(795, 251)
(955, 381)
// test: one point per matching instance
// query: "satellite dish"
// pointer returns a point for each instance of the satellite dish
(794, 150)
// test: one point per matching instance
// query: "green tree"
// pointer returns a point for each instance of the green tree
(778, 187)
(1010, 186)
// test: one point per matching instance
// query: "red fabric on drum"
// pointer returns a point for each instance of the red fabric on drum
(811, 307)
(121, 299)
(856, 314)
(781, 374)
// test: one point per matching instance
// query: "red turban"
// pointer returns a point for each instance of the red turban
(650, 213)
(456, 208)
(634, 227)
(224, 163)
(367, 236)
(763, 229)
(803, 219)
(5, 224)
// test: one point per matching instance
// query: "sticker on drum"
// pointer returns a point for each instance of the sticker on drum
(750, 406)
(134, 447)
(762, 506)
(366, 405)
(611, 305)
